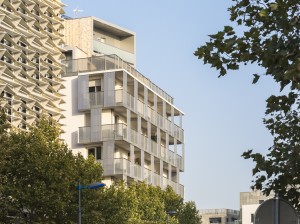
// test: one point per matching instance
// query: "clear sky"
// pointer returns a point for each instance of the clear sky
(223, 117)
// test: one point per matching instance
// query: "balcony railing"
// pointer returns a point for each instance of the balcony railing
(107, 49)
(110, 62)
(127, 100)
(125, 167)
(109, 132)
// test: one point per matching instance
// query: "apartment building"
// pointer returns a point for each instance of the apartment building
(91, 87)
(219, 216)
(30, 60)
(114, 112)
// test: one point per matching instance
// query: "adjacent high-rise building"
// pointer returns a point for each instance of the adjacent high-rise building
(114, 112)
(30, 60)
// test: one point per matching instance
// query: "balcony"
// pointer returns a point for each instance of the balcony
(88, 135)
(129, 101)
(107, 49)
(110, 62)
(127, 168)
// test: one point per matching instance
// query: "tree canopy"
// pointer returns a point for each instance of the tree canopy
(39, 175)
(269, 38)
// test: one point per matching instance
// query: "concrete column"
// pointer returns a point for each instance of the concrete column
(161, 171)
(164, 115)
(158, 142)
(132, 159)
(180, 120)
(145, 101)
(125, 87)
(139, 129)
(142, 164)
(167, 147)
(152, 169)
(183, 156)
(175, 152)
(135, 93)
(172, 120)
(128, 121)
(177, 180)
(149, 135)
(155, 109)
(170, 171)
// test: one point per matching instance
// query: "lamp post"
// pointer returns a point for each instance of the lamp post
(170, 213)
(90, 186)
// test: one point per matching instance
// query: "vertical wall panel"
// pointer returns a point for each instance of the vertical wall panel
(83, 92)
(96, 115)
(109, 89)
(108, 157)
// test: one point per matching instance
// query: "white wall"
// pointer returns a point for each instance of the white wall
(247, 210)
(73, 119)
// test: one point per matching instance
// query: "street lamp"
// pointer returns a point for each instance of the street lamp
(170, 213)
(90, 186)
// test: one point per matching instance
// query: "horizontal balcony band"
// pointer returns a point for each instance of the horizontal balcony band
(123, 166)
(94, 134)
(110, 62)
(125, 99)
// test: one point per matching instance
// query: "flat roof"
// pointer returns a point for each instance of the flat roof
(112, 28)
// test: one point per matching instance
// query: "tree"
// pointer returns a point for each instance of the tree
(271, 39)
(189, 214)
(39, 174)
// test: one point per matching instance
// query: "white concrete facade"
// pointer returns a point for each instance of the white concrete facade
(248, 213)
(118, 115)
(30, 60)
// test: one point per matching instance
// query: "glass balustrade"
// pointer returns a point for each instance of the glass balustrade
(119, 132)
(97, 99)
(123, 166)
(109, 62)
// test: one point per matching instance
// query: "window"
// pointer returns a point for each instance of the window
(93, 89)
(96, 152)
(94, 86)
(215, 220)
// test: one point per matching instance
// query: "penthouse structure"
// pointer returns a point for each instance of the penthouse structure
(30, 60)
(114, 112)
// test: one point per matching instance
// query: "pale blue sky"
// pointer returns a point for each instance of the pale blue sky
(223, 116)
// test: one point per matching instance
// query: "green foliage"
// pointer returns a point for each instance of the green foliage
(189, 214)
(38, 176)
(271, 39)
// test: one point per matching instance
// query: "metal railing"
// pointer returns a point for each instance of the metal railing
(127, 100)
(120, 131)
(123, 166)
(110, 62)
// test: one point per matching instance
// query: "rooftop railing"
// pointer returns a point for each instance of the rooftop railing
(110, 62)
